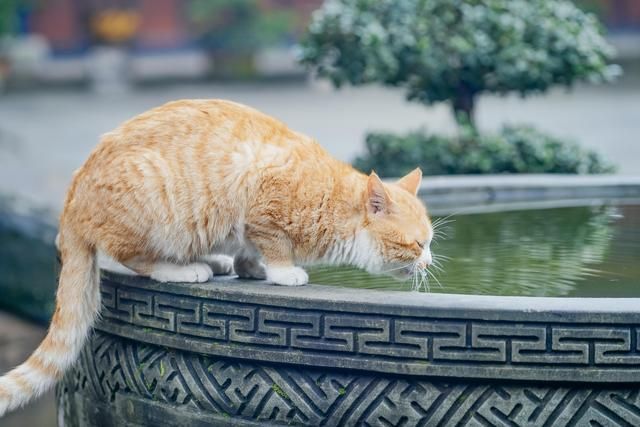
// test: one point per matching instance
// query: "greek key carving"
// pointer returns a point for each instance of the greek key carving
(424, 344)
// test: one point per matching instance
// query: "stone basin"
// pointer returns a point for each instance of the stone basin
(234, 352)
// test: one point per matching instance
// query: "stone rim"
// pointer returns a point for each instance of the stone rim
(453, 336)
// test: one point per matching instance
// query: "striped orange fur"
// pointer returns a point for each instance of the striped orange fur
(191, 178)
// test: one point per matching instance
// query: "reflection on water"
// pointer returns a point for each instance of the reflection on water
(582, 251)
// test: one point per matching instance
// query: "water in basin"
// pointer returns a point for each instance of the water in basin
(573, 252)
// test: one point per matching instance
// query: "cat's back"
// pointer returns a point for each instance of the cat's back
(194, 139)
(191, 121)
(204, 131)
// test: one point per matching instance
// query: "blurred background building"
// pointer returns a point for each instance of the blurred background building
(66, 41)
(71, 41)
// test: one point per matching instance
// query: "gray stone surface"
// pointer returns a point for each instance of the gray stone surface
(466, 194)
(233, 352)
(122, 382)
(545, 339)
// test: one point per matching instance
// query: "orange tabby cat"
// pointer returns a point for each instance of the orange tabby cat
(173, 185)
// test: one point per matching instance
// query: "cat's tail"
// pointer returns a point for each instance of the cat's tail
(77, 306)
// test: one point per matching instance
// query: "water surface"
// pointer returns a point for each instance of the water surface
(576, 252)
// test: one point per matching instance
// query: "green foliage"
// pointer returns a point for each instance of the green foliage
(515, 149)
(597, 7)
(9, 15)
(454, 50)
(239, 26)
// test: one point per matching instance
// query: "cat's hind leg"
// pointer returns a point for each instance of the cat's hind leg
(247, 265)
(276, 250)
(221, 265)
(162, 271)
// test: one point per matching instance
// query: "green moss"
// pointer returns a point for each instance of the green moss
(341, 391)
(280, 392)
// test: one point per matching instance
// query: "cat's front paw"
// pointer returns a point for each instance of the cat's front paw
(196, 272)
(287, 276)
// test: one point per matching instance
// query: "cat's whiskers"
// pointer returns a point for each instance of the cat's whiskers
(421, 276)
(396, 268)
(442, 223)
(437, 263)
(438, 260)
(442, 220)
(418, 278)
(433, 276)
(440, 227)
(437, 227)
(424, 279)
(437, 267)
(438, 235)
(416, 281)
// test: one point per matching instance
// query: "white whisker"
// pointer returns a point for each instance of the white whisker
(433, 276)
(437, 267)
(396, 268)
(442, 218)
(425, 279)
(441, 221)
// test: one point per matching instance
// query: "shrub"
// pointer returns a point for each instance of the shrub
(514, 149)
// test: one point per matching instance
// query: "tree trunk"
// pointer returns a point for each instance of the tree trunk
(464, 106)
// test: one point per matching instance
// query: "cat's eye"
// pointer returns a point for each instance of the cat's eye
(421, 244)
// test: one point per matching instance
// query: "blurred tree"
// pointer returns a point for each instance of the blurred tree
(455, 50)
(9, 16)
(239, 28)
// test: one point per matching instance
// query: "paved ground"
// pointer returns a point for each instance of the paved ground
(17, 340)
(45, 136)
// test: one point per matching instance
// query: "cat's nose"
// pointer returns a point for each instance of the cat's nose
(425, 259)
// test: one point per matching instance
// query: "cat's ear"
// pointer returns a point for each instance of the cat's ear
(411, 181)
(378, 200)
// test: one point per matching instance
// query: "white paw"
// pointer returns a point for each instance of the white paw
(221, 265)
(197, 272)
(287, 276)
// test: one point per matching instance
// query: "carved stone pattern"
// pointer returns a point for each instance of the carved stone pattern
(195, 384)
(445, 342)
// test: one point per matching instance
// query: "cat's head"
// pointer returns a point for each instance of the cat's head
(397, 225)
